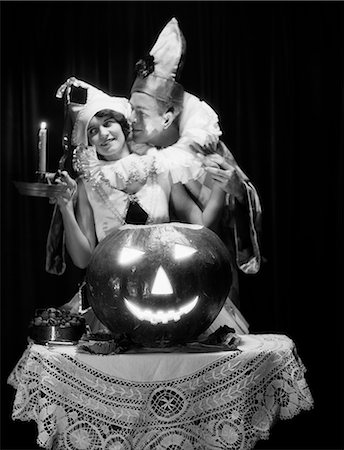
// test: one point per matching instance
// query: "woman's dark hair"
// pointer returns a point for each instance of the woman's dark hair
(118, 117)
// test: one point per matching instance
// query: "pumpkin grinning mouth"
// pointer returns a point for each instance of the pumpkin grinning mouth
(159, 316)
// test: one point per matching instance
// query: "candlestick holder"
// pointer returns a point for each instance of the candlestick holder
(44, 187)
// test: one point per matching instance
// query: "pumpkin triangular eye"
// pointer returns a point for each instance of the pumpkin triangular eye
(183, 251)
(129, 255)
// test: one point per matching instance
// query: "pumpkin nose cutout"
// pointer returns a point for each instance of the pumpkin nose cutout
(161, 285)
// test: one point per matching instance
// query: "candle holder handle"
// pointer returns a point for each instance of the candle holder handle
(66, 134)
(65, 147)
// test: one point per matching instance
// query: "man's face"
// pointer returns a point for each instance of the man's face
(147, 120)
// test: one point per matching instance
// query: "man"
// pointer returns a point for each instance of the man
(166, 117)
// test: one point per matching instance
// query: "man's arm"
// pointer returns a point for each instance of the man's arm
(243, 211)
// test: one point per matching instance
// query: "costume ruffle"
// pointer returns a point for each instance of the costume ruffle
(116, 174)
(199, 122)
(182, 166)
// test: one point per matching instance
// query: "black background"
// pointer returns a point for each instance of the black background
(274, 73)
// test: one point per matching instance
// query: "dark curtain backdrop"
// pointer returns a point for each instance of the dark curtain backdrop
(274, 73)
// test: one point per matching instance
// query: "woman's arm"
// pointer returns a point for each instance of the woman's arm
(78, 224)
(188, 211)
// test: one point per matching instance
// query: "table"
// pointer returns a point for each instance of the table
(223, 400)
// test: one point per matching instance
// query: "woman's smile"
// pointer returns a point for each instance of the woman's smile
(106, 134)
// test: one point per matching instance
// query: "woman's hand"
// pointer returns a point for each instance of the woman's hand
(66, 198)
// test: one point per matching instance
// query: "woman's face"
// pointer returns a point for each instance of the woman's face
(106, 134)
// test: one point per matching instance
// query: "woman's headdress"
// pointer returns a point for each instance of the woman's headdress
(87, 105)
(158, 72)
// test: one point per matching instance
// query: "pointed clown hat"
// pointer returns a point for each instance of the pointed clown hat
(156, 74)
(94, 100)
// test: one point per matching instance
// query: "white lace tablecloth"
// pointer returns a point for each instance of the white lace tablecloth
(225, 400)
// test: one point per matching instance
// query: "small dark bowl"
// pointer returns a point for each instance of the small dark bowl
(52, 333)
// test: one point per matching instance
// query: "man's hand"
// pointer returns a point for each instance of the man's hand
(209, 148)
(224, 175)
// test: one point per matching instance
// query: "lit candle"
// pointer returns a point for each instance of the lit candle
(42, 148)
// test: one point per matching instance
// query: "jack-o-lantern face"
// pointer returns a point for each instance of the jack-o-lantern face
(157, 283)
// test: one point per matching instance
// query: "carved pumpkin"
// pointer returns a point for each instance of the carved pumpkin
(159, 284)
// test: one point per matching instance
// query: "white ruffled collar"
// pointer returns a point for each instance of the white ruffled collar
(116, 174)
(179, 163)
